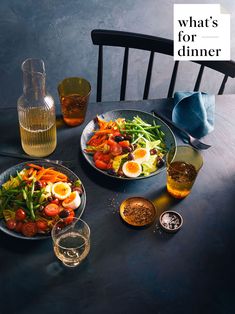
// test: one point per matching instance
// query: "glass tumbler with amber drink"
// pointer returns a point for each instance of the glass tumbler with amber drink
(74, 93)
(183, 165)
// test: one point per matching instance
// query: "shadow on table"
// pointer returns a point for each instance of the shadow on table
(18, 245)
(56, 269)
(163, 200)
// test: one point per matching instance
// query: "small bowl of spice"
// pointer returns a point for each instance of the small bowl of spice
(137, 211)
(170, 221)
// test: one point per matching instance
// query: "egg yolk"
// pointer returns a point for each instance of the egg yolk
(61, 189)
(132, 167)
(71, 197)
(140, 153)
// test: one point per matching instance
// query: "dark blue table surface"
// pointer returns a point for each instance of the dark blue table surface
(132, 270)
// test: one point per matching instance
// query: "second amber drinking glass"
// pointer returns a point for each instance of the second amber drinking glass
(74, 93)
(183, 165)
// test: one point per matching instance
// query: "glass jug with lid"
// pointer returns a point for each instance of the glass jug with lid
(36, 111)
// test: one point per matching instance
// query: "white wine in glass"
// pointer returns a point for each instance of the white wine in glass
(71, 242)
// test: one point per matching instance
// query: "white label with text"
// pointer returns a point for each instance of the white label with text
(201, 32)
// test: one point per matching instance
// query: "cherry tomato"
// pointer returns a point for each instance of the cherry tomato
(97, 155)
(124, 143)
(51, 210)
(69, 209)
(101, 164)
(20, 214)
(101, 156)
(11, 224)
(116, 150)
(29, 229)
(41, 225)
(55, 201)
(106, 158)
(69, 219)
(18, 226)
(109, 165)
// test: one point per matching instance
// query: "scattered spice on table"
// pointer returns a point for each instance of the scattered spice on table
(157, 228)
(113, 204)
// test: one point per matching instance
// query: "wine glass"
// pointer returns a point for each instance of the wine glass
(71, 241)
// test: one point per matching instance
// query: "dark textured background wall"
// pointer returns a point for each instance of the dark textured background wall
(58, 31)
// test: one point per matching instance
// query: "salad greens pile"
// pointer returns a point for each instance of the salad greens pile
(144, 135)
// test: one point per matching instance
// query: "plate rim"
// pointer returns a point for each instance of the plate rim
(38, 237)
(85, 155)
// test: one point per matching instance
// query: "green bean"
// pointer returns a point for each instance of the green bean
(19, 176)
(24, 194)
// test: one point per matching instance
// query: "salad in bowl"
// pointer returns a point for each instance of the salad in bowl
(129, 146)
(34, 196)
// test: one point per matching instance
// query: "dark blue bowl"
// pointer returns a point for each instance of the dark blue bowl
(127, 114)
(12, 172)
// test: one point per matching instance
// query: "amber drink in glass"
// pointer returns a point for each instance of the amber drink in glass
(183, 165)
(74, 93)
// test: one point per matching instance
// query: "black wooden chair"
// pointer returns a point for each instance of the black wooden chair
(153, 45)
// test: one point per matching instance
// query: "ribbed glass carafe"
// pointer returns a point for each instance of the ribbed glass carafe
(36, 111)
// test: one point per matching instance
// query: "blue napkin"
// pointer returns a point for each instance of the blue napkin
(194, 111)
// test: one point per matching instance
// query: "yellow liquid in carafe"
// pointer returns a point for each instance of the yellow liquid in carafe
(38, 132)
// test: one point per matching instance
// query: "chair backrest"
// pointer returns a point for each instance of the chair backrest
(154, 45)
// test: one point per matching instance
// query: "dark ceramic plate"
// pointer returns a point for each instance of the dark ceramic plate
(12, 172)
(127, 114)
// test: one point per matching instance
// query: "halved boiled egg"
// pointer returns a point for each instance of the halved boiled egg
(131, 169)
(61, 190)
(141, 154)
(48, 189)
(73, 201)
